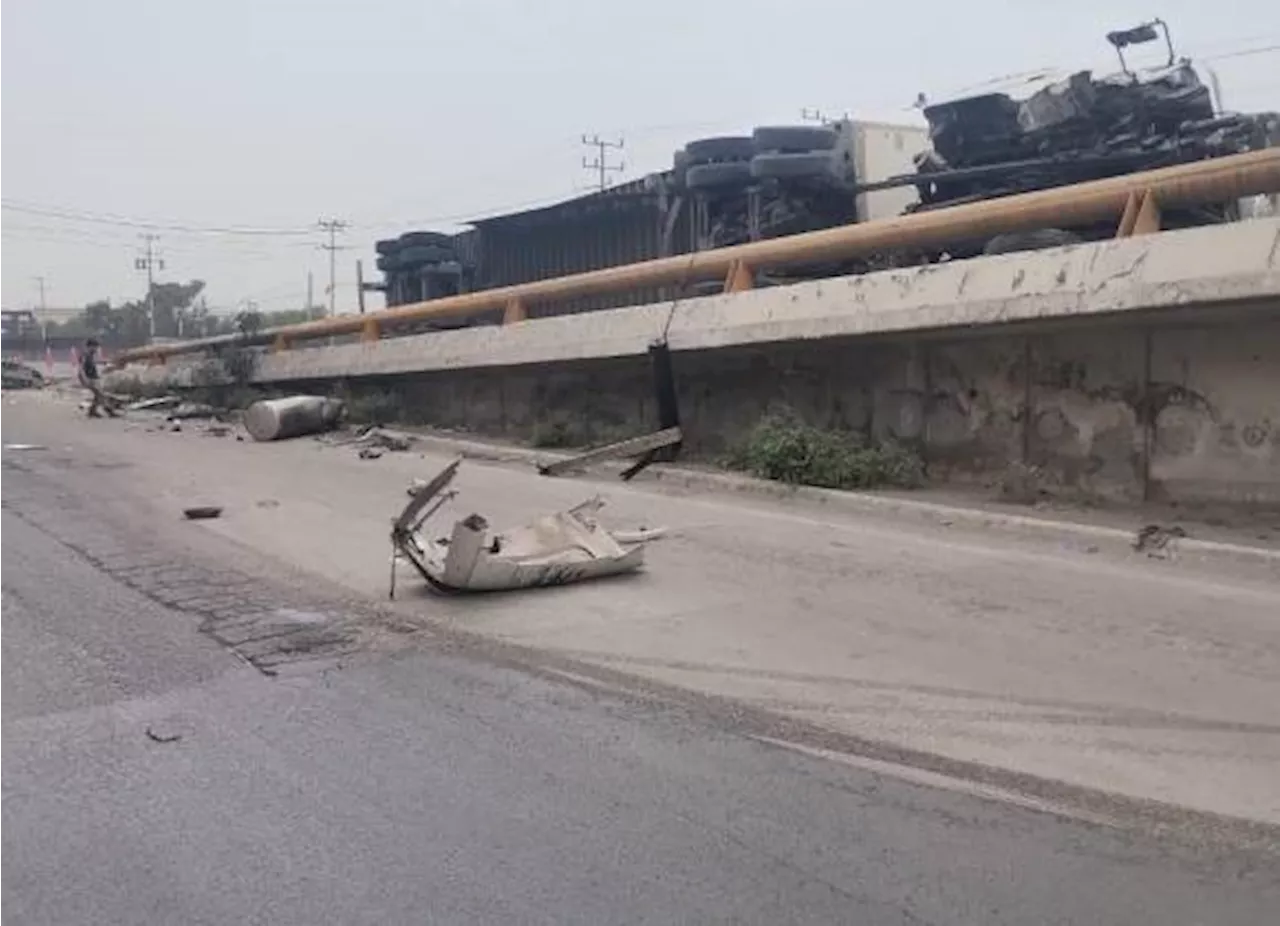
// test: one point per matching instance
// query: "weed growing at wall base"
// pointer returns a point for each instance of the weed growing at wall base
(783, 448)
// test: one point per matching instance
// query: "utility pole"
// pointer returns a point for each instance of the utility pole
(311, 302)
(150, 262)
(44, 318)
(601, 163)
(332, 226)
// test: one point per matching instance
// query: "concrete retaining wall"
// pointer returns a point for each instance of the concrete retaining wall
(1143, 367)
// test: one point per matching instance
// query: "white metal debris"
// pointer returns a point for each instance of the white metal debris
(556, 549)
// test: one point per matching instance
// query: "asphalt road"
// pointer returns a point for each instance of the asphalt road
(194, 736)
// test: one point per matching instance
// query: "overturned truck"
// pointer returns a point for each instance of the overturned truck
(1084, 128)
(782, 180)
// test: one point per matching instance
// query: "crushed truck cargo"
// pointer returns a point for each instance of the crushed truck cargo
(556, 549)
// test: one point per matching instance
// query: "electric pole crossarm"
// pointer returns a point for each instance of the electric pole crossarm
(601, 164)
(331, 227)
(150, 261)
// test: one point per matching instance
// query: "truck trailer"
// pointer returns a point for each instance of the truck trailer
(781, 180)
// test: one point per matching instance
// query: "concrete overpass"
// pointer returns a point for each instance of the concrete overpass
(1139, 367)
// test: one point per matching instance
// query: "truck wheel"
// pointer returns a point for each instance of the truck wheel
(726, 174)
(791, 166)
(423, 238)
(1039, 239)
(725, 148)
(793, 138)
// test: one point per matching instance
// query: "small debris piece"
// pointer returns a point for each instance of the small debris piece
(162, 737)
(369, 453)
(268, 503)
(1158, 541)
(193, 410)
(154, 405)
(25, 447)
(202, 512)
(175, 426)
(389, 440)
(633, 447)
(640, 535)
(218, 430)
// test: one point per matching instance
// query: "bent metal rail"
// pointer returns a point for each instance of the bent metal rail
(1134, 200)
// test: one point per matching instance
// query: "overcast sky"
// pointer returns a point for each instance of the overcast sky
(398, 114)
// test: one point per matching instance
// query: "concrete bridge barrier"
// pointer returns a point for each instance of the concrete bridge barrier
(1139, 367)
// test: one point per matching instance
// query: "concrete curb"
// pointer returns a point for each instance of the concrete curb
(1085, 537)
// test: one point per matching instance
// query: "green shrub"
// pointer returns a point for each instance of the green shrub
(783, 448)
(551, 434)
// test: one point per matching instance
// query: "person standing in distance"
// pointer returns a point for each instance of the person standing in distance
(89, 379)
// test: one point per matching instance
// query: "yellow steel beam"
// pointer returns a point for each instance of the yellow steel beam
(1213, 181)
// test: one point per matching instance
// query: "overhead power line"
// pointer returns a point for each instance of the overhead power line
(1242, 53)
(71, 215)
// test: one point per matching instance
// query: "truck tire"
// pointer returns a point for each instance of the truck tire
(424, 254)
(387, 246)
(679, 165)
(1041, 238)
(793, 138)
(725, 174)
(423, 238)
(724, 148)
(792, 165)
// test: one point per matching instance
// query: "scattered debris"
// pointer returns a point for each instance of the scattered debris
(157, 404)
(267, 503)
(188, 410)
(218, 430)
(1023, 484)
(279, 419)
(642, 447)
(175, 426)
(640, 535)
(369, 453)
(568, 546)
(389, 440)
(372, 436)
(202, 512)
(1157, 541)
(25, 447)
